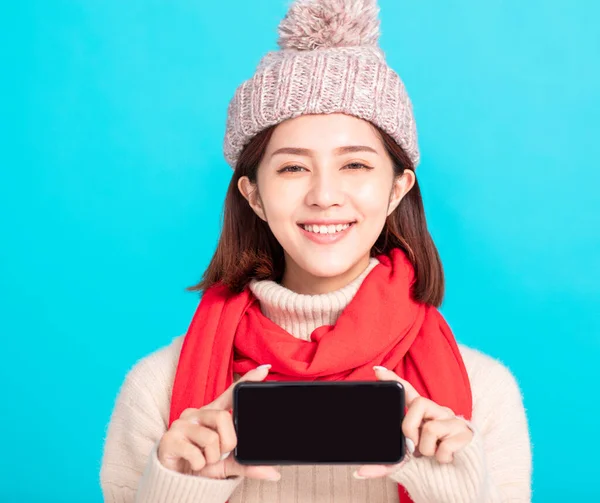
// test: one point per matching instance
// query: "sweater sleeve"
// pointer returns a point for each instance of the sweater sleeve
(496, 466)
(130, 468)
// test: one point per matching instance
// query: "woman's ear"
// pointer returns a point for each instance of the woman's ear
(402, 184)
(250, 192)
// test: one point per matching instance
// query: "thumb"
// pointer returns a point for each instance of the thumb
(225, 401)
(233, 468)
(270, 473)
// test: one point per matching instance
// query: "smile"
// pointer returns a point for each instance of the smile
(326, 229)
(326, 234)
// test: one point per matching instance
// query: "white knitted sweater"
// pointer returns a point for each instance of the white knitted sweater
(494, 467)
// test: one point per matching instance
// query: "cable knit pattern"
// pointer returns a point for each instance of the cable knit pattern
(494, 468)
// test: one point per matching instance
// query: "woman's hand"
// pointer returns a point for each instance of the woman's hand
(433, 430)
(199, 442)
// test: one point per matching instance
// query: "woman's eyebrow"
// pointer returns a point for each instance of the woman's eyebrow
(310, 153)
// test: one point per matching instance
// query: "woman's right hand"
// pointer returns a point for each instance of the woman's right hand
(196, 442)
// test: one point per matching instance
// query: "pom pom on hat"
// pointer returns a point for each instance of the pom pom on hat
(314, 24)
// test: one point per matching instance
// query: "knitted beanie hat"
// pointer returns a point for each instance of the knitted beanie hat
(329, 61)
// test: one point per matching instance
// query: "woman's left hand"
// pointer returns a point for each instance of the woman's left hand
(434, 430)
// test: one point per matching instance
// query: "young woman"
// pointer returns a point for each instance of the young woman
(324, 270)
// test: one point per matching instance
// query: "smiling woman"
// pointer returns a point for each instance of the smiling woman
(324, 271)
(329, 185)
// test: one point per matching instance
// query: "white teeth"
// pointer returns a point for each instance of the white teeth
(326, 229)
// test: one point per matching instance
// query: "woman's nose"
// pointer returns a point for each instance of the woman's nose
(325, 190)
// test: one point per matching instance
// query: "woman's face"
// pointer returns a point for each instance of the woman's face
(325, 187)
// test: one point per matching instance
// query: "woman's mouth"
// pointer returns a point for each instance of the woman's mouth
(326, 234)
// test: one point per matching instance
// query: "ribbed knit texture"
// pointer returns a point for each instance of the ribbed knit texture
(495, 467)
(329, 62)
(301, 314)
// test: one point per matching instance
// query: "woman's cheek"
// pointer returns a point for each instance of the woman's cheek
(372, 200)
(281, 202)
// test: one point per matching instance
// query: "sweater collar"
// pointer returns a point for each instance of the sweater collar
(301, 314)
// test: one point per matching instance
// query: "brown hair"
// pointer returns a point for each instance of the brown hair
(247, 248)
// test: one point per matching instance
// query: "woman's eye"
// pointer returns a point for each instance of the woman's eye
(290, 169)
(357, 165)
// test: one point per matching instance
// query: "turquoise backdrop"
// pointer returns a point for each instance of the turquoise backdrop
(112, 179)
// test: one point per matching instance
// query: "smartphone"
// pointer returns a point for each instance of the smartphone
(319, 422)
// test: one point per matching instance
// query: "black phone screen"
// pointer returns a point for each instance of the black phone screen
(319, 422)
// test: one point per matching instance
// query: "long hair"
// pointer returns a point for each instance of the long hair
(247, 249)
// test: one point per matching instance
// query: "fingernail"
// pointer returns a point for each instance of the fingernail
(379, 367)
(410, 445)
(275, 478)
(225, 456)
(357, 476)
(267, 366)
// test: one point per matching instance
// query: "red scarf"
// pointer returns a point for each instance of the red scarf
(382, 325)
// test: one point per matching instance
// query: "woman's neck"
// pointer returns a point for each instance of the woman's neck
(300, 314)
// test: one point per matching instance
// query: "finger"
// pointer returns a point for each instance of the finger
(214, 471)
(451, 445)
(205, 438)
(431, 433)
(181, 448)
(371, 472)
(421, 410)
(230, 468)
(225, 401)
(222, 423)
(410, 393)
(269, 473)
(445, 453)
(233, 468)
(413, 419)
(376, 471)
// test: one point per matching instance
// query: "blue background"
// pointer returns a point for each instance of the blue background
(112, 180)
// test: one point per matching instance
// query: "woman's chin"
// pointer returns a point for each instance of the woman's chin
(328, 269)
